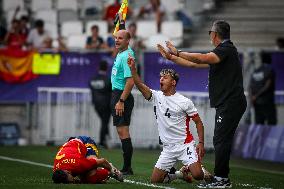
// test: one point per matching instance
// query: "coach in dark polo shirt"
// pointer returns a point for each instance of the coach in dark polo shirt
(226, 93)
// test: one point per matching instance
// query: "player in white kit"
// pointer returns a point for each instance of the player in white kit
(173, 112)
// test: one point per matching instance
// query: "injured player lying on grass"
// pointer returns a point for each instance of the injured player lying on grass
(77, 161)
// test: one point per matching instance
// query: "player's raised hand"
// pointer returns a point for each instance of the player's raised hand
(173, 50)
(131, 63)
(164, 52)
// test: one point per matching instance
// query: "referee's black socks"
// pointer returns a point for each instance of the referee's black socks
(127, 153)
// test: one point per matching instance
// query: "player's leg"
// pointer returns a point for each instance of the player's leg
(159, 176)
(189, 158)
(161, 172)
(96, 176)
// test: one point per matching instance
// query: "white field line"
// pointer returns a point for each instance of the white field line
(254, 169)
(50, 166)
(257, 169)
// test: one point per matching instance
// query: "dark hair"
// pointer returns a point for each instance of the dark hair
(24, 18)
(39, 23)
(103, 65)
(60, 176)
(70, 138)
(171, 72)
(95, 27)
(222, 28)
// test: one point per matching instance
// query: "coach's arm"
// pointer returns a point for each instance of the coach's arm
(144, 89)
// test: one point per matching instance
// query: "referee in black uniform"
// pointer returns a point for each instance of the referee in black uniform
(226, 93)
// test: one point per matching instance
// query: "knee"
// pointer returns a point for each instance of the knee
(123, 133)
(156, 180)
(198, 175)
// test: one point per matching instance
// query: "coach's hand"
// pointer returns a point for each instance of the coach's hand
(119, 108)
(164, 52)
(173, 50)
(200, 150)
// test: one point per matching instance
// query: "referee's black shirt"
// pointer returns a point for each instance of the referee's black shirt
(225, 78)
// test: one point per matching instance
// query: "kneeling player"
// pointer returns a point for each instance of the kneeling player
(173, 112)
(77, 161)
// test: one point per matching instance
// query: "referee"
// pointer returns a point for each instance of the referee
(122, 101)
(226, 93)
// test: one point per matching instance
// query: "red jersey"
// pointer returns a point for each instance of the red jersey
(72, 157)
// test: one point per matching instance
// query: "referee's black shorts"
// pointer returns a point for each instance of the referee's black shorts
(123, 120)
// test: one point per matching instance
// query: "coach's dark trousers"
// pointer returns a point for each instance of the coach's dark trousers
(227, 119)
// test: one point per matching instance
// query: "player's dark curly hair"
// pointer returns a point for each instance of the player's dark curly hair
(59, 176)
(171, 72)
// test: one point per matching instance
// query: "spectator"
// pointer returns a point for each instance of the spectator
(95, 41)
(3, 32)
(24, 29)
(14, 38)
(280, 43)
(100, 87)
(136, 43)
(153, 10)
(111, 10)
(262, 87)
(38, 35)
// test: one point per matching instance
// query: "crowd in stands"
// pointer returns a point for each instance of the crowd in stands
(38, 24)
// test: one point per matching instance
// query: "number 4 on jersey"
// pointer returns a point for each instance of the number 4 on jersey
(167, 113)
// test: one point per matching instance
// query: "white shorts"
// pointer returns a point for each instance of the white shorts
(186, 153)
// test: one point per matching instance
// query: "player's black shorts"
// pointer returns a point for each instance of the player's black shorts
(123, 120)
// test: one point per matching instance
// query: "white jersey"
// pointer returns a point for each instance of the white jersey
(173, 114)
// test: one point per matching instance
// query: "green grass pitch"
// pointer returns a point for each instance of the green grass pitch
(244, 173)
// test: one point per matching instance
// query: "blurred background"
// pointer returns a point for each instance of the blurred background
(51, 49)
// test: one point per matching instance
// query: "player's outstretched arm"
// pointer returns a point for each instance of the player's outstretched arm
(144, 89)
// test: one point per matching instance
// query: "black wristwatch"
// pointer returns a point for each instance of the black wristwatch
(178, 52)
(121, 100)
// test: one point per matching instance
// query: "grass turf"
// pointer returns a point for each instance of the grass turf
(244, 173)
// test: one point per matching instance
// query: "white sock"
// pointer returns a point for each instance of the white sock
(169, 178)
(179, 174)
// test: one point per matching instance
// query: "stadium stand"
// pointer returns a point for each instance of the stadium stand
(71, 28)
(37, 5)
(254, 23)
(76, 41)
(12, 4)
(48, 16)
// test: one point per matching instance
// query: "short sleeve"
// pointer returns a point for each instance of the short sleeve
(126, 69)
(190, 108)
(153, 96)
(221, 52)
